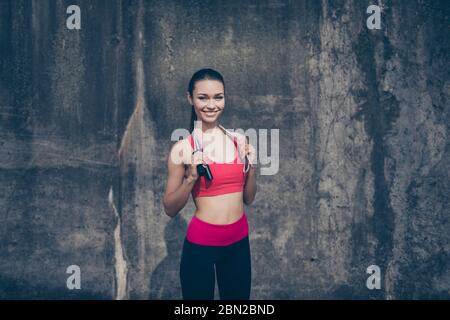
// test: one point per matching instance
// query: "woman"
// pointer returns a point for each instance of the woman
(217, 241)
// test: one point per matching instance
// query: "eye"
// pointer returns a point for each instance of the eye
(219, 98)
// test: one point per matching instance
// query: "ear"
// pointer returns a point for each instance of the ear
(189, 99)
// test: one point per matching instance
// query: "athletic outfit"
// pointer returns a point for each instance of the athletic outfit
(223, 246)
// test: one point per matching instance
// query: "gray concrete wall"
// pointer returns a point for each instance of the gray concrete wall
(86, 118)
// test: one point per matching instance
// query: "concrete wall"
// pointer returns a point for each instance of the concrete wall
(86, 118)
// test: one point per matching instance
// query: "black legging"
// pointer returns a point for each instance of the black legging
(233, 269)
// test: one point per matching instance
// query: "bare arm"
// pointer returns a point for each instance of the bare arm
(250, 187)
(179, 184)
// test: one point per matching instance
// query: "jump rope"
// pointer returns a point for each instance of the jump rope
(203, 169)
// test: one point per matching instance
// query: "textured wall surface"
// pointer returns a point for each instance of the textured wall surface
(86, 118)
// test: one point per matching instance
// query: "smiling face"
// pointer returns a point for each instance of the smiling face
(208, 99)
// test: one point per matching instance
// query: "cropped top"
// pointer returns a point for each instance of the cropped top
(228, 177)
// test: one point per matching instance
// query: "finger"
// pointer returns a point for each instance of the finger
(197, 155)
(198, 160)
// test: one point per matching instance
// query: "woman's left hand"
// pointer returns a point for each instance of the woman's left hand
(246, 149)
(250, 151)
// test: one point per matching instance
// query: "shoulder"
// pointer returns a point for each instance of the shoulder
(181, 151)
(183, 144)
(238, 136)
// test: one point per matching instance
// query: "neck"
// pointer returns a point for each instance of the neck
(211, 127)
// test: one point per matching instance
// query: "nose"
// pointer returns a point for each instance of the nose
(210, 104)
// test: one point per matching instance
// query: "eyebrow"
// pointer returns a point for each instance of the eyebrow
(205, 94)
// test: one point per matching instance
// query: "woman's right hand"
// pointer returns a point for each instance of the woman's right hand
(191, 170)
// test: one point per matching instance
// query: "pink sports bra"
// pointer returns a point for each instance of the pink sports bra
(228, 177)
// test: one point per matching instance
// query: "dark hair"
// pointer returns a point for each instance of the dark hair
(202, 74)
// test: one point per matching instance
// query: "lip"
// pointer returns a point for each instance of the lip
(210, 113)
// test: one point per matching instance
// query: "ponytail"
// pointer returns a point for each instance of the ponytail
(193, 119)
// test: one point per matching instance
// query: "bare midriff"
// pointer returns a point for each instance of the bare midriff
(220, 209)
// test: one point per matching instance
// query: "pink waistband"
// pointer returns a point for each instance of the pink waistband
(208, 234)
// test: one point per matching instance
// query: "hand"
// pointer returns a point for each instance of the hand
(250, 151)
(246, 149)
(191, 173)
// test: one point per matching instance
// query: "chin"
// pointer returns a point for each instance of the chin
(210, 120)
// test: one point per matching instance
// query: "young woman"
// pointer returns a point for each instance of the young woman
(217, 242)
